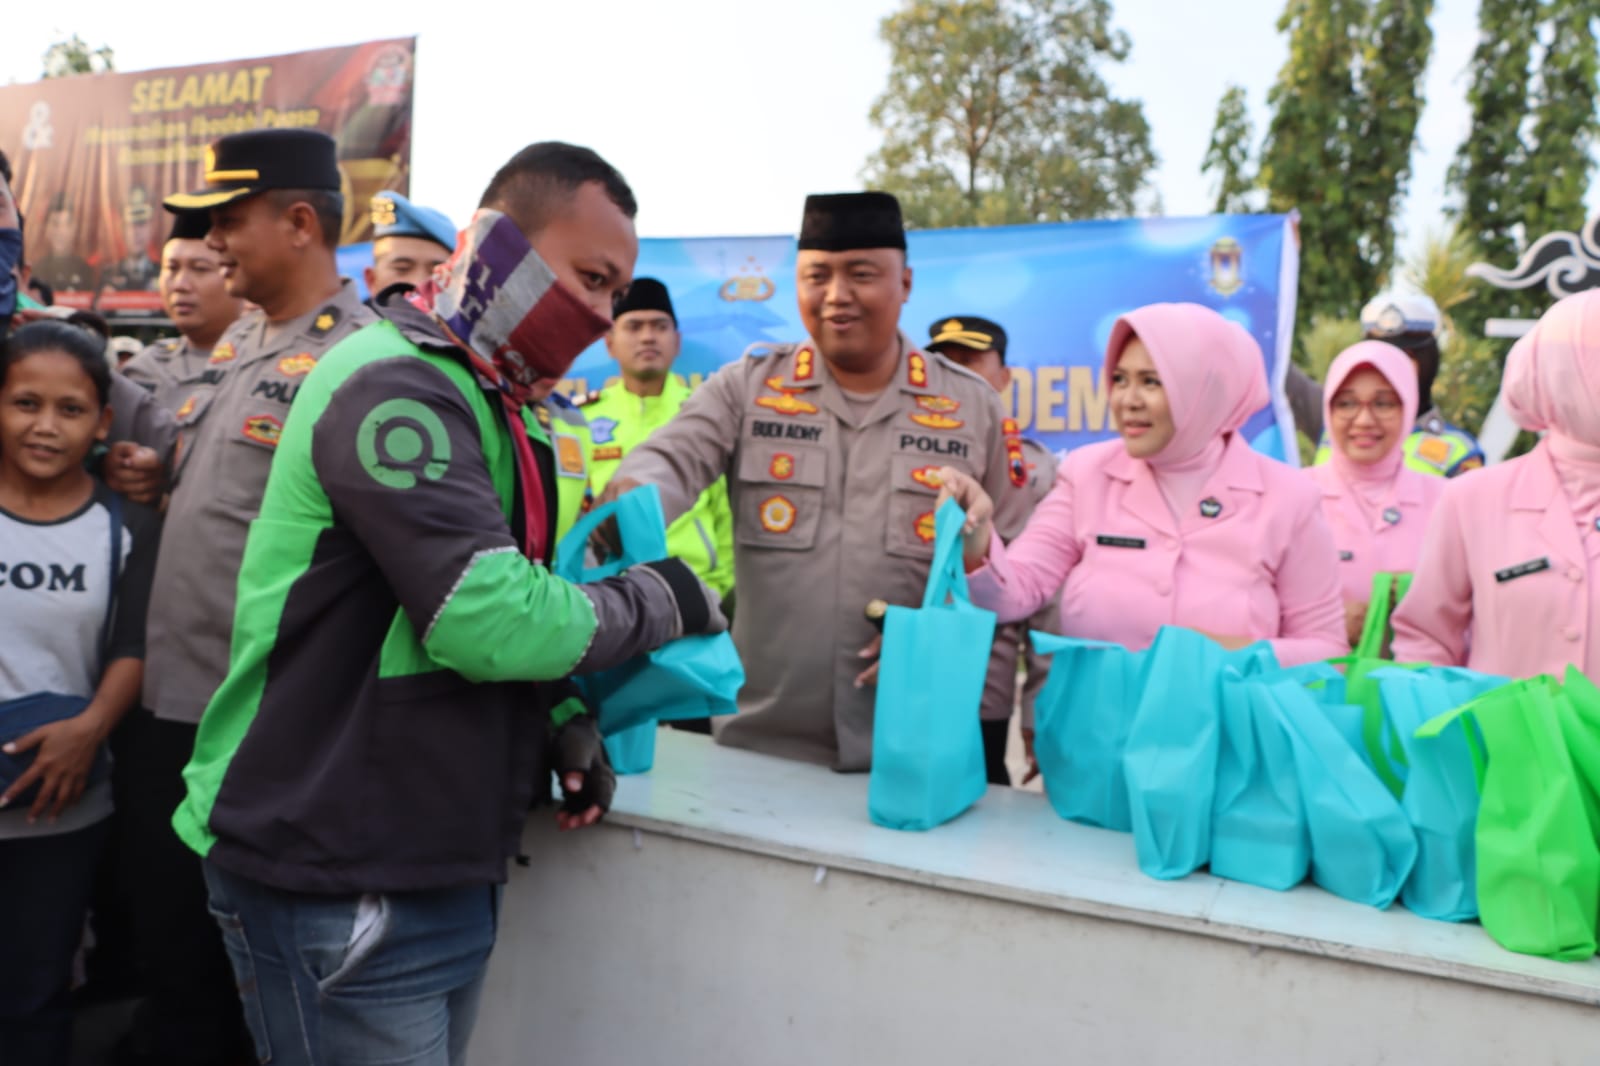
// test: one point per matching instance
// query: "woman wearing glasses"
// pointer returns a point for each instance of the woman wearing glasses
(1377, 506)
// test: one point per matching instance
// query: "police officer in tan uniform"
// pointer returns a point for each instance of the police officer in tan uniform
(830, 449)
(275, 213)
(979, 344)
(174, 369)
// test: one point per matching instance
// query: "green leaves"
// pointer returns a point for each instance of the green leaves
(1338, 149)
(1228, 154)
(74, 56)
(1527, 163)
(995, 113)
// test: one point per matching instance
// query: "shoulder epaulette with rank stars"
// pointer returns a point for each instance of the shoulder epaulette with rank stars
(584, 398)
(764, 349)
(1015, 466)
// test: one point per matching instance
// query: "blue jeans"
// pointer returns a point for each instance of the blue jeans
(356, 980)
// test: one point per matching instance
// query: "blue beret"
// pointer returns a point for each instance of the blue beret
(395, 216)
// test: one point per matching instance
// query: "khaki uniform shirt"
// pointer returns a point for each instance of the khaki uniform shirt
(1032, 483)
(832, 508)
(172, 370)
(229, 436)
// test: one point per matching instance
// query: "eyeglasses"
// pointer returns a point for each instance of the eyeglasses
(1381, 406)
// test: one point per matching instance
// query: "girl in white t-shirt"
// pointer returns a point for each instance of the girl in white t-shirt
(75, 570)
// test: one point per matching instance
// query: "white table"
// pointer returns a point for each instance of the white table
(739, 909)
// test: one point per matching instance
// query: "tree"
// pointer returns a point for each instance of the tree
(1394, 58)
(74, 56)
(995, 113)
(1338, 149)
(1564, 120)
(1526, 164)
(1228, 155)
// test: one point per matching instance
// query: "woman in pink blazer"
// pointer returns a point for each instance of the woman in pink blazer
(1509, 581)
(1376, 506)
(1179, 522)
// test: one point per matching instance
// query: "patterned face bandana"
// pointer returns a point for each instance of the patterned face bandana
(500, 300)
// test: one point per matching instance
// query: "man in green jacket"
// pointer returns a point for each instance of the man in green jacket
(644, 340)
(396, 695)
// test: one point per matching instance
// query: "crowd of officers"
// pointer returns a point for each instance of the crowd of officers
(799, 483)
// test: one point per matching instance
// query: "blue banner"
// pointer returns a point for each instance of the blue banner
(1056, 288)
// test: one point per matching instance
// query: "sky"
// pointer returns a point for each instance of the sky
(722, 116)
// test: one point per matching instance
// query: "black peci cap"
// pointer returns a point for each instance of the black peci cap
(190, 225)
(968, 331)
(645, 294)
(844, 221)
(243, 164)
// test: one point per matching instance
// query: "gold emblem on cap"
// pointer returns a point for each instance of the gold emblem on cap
(952, 326)
(216, 177)
(383, 211)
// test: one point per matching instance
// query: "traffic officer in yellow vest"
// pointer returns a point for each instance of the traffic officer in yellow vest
(644, 340)
(980, 345)
(830, 448)
(1411, 323)
(276, 214)
(174, 369)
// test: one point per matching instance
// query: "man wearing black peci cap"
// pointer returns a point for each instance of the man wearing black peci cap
(275, 216)
(980, 345)
(174, 369)
(830, 448)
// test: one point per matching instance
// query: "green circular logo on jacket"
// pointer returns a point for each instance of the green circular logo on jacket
(401, 440)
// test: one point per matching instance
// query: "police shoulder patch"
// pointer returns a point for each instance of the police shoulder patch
(765, 349)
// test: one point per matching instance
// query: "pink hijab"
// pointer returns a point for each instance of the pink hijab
(1214, 377)
(1552, 383)
(1373, 482)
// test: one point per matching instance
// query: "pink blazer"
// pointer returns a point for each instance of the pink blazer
(1505, 581)
(1390, 541)
(1255, 557)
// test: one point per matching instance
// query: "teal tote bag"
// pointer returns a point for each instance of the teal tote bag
(927, 749)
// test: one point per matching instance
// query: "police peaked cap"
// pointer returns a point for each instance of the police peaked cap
(968, 331)
(244, 164)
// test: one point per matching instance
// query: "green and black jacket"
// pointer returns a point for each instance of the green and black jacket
(397, 664)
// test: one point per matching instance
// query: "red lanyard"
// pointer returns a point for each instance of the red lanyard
(535, 523)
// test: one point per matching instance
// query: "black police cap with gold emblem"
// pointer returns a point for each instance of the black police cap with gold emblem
(968, 331)
(243, 164)
(645, 294)
(845, 221)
